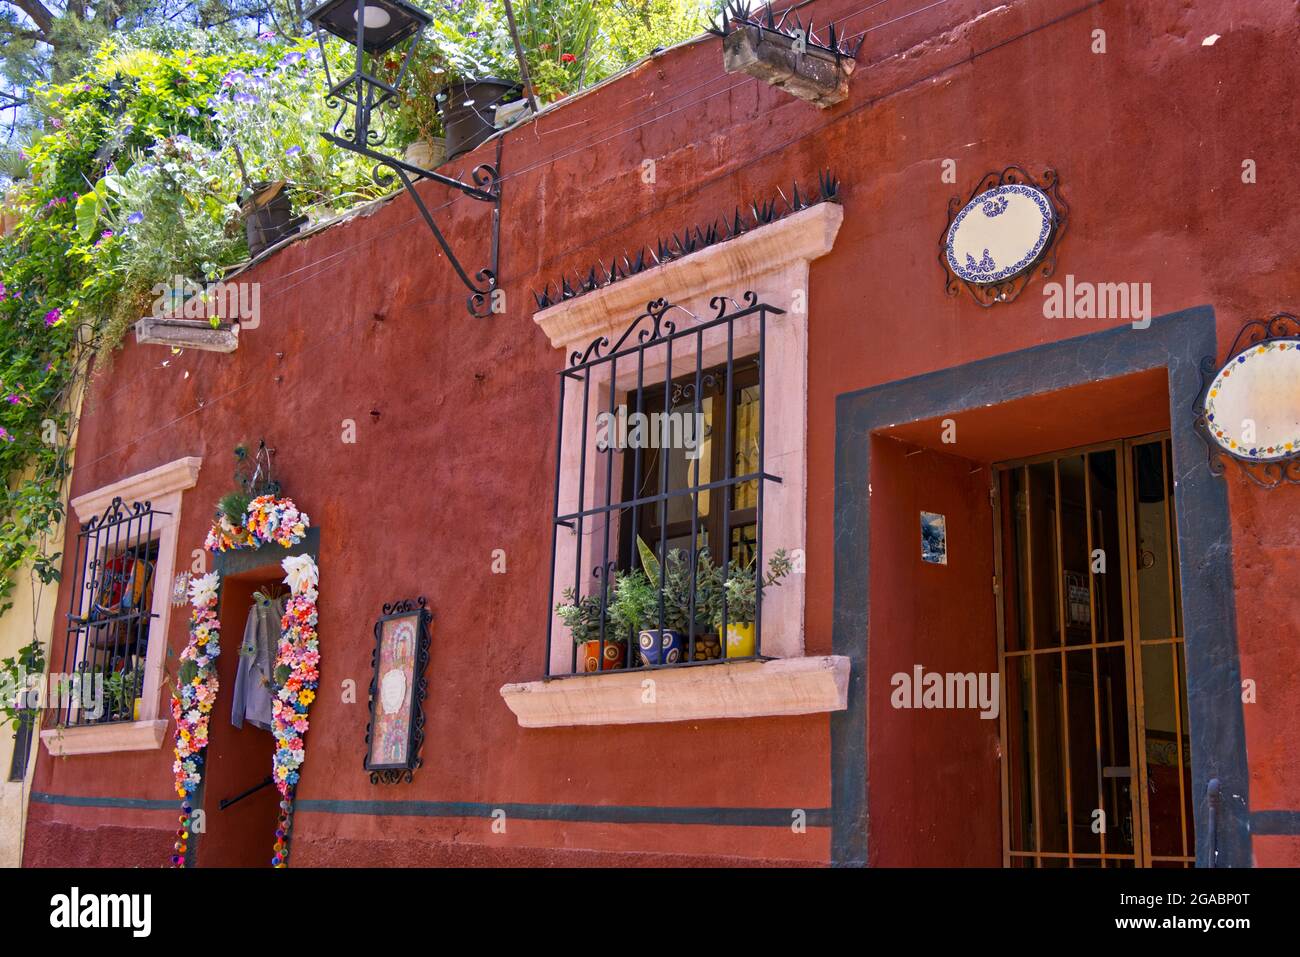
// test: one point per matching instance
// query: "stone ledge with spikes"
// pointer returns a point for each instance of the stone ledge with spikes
(787, 55)
(689, 241)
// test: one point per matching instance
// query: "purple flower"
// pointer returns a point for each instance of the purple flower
(135, 219)
(233, 77)
(290, 58)
(53, 316)
(106, 234)
(12, 399)
(4, 434)
(191, 111)
(293, 151)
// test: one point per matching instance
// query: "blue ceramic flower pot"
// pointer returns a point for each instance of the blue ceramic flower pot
(660, 647)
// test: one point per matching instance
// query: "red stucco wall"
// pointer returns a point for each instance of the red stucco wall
(454, 416)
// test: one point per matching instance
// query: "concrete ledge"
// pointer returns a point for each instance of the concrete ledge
(747, 689)
(103, 738)
(187, 334)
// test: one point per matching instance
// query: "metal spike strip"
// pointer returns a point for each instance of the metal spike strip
(690, 240)
(736, 12)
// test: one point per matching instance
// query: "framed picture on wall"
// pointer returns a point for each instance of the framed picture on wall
(934, 538)
(397, 691)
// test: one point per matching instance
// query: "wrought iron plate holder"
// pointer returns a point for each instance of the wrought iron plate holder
(990, 294)
(1270, 473)
(371, 93)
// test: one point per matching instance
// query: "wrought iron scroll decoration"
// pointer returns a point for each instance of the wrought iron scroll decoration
(1044, 266)
(406, 607)
(1267, 474)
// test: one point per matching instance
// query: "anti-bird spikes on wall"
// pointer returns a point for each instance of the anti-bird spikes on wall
(688, 241)
(737, 12)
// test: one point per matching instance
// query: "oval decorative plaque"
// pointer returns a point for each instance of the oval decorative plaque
(1000, 233)
(1252, 407)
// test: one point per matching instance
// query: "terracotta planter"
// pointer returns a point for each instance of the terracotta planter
(589, 656)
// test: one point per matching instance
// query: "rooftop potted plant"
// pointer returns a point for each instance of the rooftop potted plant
(740, 591)
(481, 67)
(584, 617)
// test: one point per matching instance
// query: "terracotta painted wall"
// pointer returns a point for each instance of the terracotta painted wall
(454, 416)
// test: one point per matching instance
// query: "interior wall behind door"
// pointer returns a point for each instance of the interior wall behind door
(933, 775)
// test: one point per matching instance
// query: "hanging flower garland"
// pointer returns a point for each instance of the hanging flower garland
(196, 691)
(267, 520)
(296, 678)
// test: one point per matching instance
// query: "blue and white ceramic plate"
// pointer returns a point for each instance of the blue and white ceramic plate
(1000, 233)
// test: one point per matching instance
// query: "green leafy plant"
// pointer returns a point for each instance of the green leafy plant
(14, 672)
(583, 616)
(678, 591)
(635, 605)
(740, 589)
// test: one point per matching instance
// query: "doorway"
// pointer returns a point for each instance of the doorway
(240, 801)
(1095, 743)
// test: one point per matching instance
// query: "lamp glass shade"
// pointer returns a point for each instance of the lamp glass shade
(386, 22)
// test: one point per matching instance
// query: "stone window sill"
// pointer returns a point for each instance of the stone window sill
(104, 738)
(745, 689)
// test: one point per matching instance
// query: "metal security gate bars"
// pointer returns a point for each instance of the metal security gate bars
(1096, 744)
(107, 637)
(660, 435)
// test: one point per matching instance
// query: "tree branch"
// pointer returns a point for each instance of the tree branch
(39, 14)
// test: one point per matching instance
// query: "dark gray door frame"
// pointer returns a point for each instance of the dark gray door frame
(1176, 342)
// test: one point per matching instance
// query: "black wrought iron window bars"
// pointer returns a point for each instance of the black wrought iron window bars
(649, 340)
(106, 643)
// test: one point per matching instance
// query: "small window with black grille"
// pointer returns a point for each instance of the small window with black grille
(107, 640)
(658, 542)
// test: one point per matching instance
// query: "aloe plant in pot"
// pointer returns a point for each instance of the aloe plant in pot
(741, 592)
(687, 609)
(583, 617)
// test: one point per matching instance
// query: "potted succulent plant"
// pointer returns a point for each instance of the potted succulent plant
(683, 604)
(583, 617)
(635, 611)
(123, 689)
(740, 591)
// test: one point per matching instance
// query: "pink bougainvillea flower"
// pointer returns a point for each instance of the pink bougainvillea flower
(53, 316)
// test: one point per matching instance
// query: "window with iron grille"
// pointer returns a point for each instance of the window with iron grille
(660, 482)
(107, 640)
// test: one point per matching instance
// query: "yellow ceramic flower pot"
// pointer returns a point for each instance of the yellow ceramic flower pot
(740, 640)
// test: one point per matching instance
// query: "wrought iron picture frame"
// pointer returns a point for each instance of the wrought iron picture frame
(1043, 266)
(1266, 473)
(415, 684)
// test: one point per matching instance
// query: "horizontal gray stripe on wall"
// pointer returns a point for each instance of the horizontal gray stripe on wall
(588, 813)
(1275, 822)
(79, 800)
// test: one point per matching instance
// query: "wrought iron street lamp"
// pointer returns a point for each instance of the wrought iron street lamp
(375, 27)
